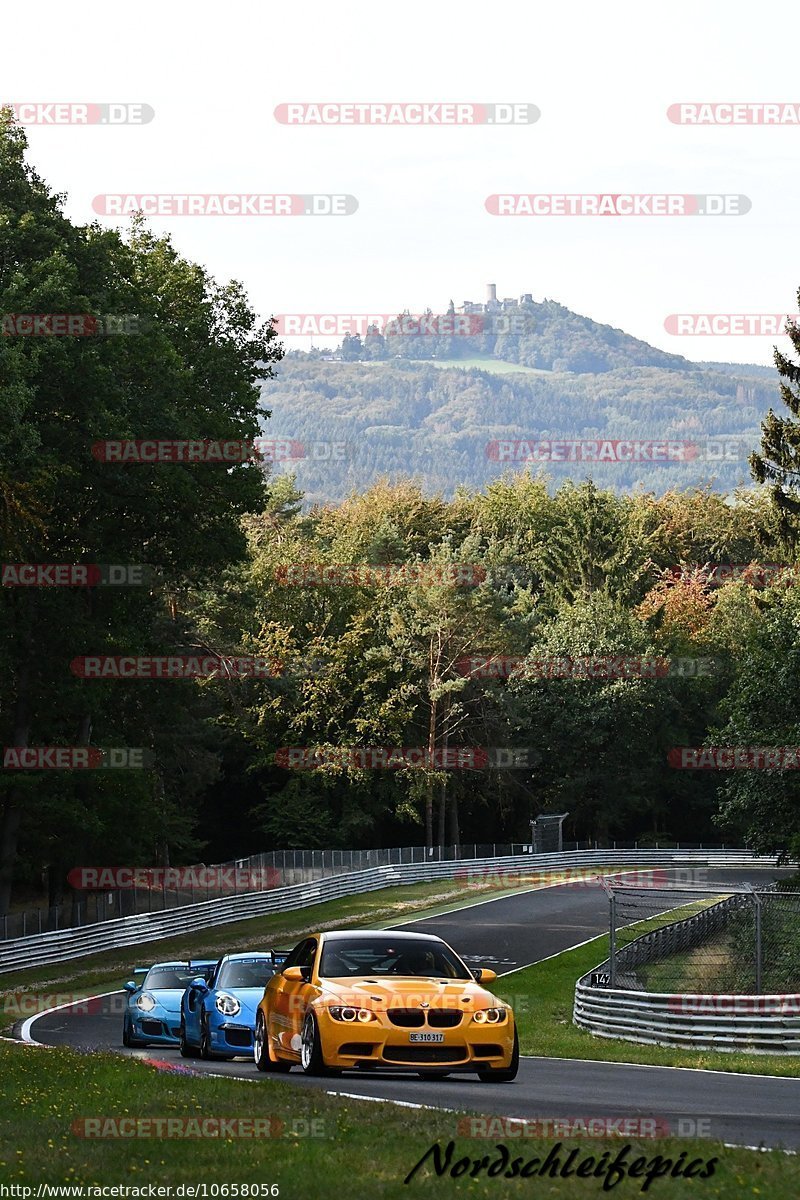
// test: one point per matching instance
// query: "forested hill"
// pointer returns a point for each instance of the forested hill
(358, 421)
(546, 336)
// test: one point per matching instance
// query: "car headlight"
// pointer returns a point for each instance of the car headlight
(345, 1012)
(490, 1016)
(226, 1004)
(146, 1002)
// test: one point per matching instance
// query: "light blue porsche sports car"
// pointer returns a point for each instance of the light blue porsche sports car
(153, 1006)
(218, 1015)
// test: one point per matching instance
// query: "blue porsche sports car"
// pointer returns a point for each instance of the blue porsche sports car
(153, 1005)
(218, 1015)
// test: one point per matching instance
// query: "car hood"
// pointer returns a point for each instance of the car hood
(404, 992)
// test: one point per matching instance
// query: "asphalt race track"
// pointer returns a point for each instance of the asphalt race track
(506, 934)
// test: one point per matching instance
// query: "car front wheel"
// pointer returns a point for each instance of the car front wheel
(261, 1049)
(503, 1074)
(187, 1051)
(205, 1040)
(311, 1059)
(128, 1039)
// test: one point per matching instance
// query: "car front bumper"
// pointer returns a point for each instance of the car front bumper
(378, 1043)
(160, 1029)
(231, 1038)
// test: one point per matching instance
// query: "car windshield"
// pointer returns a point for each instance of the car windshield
(171, 978)
(246, 973)
(383, 956)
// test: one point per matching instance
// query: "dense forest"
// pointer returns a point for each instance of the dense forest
(356, 422)
(365, 609)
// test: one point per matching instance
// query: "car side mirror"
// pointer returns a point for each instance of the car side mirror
(199, 984)
(130, 986)
(484, 975)
(296, 974)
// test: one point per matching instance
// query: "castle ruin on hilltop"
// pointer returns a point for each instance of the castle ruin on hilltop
(492, 304)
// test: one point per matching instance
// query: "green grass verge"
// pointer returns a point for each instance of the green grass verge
(357, 1149)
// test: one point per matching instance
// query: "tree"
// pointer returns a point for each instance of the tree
(192, 371)
(778, 464)
(760, 710)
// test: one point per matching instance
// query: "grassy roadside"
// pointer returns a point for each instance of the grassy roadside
(542, 997)
(318, 1147)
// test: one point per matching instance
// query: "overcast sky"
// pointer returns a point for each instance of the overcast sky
(603, 77)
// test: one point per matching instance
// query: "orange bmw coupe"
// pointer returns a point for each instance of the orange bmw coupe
(383, 1000)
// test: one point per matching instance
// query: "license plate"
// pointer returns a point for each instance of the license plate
(426, 1037)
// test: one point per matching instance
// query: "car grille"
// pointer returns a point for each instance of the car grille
(153, 1028)
(424, 1054)
(443, 1018)
(408, 1018)
(487, 1051)
(414, 1018)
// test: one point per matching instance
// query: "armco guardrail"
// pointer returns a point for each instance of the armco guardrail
(769, 1023)
(174, 887)
(66, 944)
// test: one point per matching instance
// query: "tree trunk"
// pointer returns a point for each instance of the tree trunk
(12, 807)
(455, 832)
(83, 791)
(429, 793)
(443, 793)
(8, 847)
(442, 808)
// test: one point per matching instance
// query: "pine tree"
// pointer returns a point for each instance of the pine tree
(778, 464)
